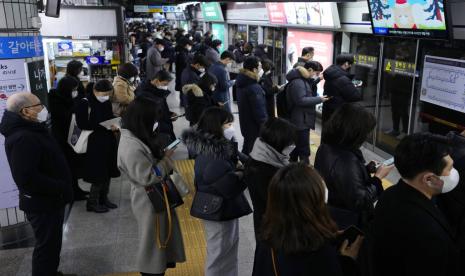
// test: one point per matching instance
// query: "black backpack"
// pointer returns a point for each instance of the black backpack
(281, 104)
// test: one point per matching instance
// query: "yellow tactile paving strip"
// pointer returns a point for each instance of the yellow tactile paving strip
(192, 231)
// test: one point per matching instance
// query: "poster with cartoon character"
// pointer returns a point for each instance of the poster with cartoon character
(408, 14)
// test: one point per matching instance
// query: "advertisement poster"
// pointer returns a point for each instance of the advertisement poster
(408, 17)
(211, 11)
(21, 47)
(218, 33)
(316, 14)
(38, 80)
(443, 82)
(322, 43)
(12, 80)
(65, 48)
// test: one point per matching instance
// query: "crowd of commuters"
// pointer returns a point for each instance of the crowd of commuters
(304, 217)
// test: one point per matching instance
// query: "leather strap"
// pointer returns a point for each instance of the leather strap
(273, 259)
(168, 211)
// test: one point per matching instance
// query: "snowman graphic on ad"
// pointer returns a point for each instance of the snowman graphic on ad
(403, 15)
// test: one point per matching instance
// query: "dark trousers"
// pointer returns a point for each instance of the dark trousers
(48, 233)
(302, 147)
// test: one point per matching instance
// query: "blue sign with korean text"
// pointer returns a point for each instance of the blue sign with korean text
(21, 47)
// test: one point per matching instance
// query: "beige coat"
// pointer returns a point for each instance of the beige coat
(123, 95)
(135, 161)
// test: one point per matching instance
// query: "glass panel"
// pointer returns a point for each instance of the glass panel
(396, 92)
(253, 35)
(237, 33)
(431, 117)
(366, 50)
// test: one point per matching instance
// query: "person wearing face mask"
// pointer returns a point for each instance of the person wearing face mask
(338, 85)
(352, 188)
(100, 157)
(251, 102)
(169, 51)
(200, 97)
(212, 53)
(157, 88)
(218, 69)
(194, 71)
(270, 153)
(62, 102)
(261, 51)
(155, 62)
(216, 174)
(42, 175)
(183, 57)
(141, 148)
(301, 102)
(270, 88)
(411, 235)
(124, 88)
(74, 70)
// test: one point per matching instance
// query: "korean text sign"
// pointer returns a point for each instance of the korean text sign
(21, 47)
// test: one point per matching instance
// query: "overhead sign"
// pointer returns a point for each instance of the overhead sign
(155, 9)
(12, 80)
(38, 79)
(315, 14)
(211, 11)
(141, 8)
(172, 8)
(21, 47)
(443, 82)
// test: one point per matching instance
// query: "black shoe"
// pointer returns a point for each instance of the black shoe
(109, 204)
(80, 195)
(97, 208)
(59, 273)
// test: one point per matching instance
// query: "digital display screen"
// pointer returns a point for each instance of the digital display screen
(52, 8)
(409, 18)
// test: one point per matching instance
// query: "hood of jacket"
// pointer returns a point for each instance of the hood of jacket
(246, 78)
(12, 122)
(121, 81)
(206, 144)
(334, 72)
(148, 87)
(55, 96)
(267, 154)
(194, 89)
(298, 73)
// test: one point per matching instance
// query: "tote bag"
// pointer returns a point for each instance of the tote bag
(78, 138)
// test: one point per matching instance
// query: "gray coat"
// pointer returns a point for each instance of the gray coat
(212, 55)
(135, 161)
(154, 62)
(301, 99)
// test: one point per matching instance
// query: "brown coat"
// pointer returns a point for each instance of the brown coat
(123, 95)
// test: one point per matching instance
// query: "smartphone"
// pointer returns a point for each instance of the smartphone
(389, 162)
(178, 116)
(350, 234)
(173, 145)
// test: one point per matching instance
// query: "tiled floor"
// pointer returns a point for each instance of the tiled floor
(105, 244)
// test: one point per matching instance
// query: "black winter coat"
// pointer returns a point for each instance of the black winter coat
(412, 236)
(266, 82)
(252, 107)
(182, 61)
(189, 76)
(452, 204)
(215, 166)
(61, 110)
(197, 101)
(100, 159)
(325, 262)
(146, 89)
(37, 165)
(301, 99)
(339, 86)
(351, 188)
(257, 176)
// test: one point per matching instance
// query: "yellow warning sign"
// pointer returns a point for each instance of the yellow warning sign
(388, 67)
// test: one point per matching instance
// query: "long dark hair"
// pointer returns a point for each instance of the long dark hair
(296, 219)
(139, 118)
(212, 120)
(348, 127)
(66, 86)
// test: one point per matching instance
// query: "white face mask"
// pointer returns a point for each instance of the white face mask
(161, 49)
(162, 87)
(102, 99)
(189, 49)
(155, 126)
(201, 70)
(229, 133)
(42, 115)
(287, 150)
(74, 94)
(260, 73)
(451, 181)
(80, 75)
(132, 79)
(326, 194)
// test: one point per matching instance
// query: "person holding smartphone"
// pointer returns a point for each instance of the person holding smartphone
(297, 232)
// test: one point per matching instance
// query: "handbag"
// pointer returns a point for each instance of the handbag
(164, 195)
(206, 206)
(78, 138)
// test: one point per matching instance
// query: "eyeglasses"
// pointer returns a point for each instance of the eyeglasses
(34, 105)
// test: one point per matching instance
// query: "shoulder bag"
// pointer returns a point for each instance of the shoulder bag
(206, 206)
(78, 138)
(164, 195)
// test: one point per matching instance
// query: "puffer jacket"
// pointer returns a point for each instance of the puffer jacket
(252, 107)
(338, 86)
(351, 188)
(301, 99)
(197, 102)
(215, 172)
(123, 95)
